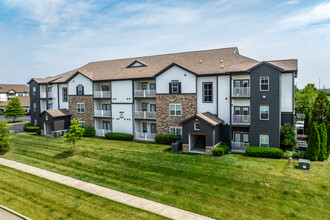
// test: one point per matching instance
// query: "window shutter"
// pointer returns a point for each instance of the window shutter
(77, 90)
(179, 87)
(82, 90)
(170, 88)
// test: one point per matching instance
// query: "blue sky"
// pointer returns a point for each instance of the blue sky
(39, 38)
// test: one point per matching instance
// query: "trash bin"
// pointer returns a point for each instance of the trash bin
(175, 147)
(179, 145)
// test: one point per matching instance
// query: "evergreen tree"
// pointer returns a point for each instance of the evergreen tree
(323, 142)
(313, 148)
(288, 137)
(14, 109)
(4, 136)
(307, 122)
(328, 139)
(320, 108)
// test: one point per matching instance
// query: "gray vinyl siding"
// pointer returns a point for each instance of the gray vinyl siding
(287, 117)
(35, 99)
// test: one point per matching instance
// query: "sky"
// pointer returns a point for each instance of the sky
(40, 38)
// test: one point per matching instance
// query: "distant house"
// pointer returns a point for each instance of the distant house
(25, 100)
(8, 91)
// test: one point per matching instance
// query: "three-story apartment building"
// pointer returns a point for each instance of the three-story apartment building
(203, 96)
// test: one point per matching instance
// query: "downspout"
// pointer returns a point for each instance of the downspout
(230, 110)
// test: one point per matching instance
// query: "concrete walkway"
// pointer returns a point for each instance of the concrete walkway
(145, 204)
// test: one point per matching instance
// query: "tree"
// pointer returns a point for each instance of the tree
(305, 99)
(313, 148)
(4, 136)
(328, 140)
(307, 122)
(288, 137)
(75, 134)
(323, 142)
(14, 109)
(320, 108)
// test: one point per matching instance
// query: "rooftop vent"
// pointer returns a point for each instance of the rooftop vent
(222, 66)
(221, 61)
(200, 61)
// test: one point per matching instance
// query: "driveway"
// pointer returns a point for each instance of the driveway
(18, 127)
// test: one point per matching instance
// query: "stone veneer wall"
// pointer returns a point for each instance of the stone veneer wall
(163, 120)
(88, 115)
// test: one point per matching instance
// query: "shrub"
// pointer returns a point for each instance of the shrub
(166, 138)
(89, 132)
(288, 139)
(119, 136)
(28, 128)
(39, 132)
(299, 154)
(323, 142)
(220, 150)
(266, 152)
(313, 148)
(328, 141)
(288, 154)
(5, 137)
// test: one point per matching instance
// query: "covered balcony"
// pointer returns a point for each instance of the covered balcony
(241, 92)
(145, 136)
(102, 94)
(241, 119)
(144, 115)
(144, 93)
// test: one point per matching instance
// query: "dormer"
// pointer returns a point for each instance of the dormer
(136, 63)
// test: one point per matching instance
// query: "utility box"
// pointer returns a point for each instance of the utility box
(302, 145)
(176, 146)
(304, 164)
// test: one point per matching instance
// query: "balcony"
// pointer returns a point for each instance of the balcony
(239, 146)
(101, 132)
(102, 113)
(43, 95)
(144, 93)
(144, 115)
(102, 94)
(241, 119)
(241, 92)
(145, 136)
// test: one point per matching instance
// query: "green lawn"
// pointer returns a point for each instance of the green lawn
(229, 187)
(38, 198)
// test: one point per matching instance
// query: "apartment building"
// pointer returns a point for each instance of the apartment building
(204, 96)
(8, 91)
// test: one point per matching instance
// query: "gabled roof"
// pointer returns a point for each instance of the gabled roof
(208, 117)
(135, 64)
(5, 88)
(55, 113)
(25, 101)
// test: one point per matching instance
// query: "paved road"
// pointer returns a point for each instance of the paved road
(18, 127)
(141, 203)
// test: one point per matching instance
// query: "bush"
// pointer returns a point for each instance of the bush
(299, 154)
(89, 132)
(39, 132)
(288, 154)
(166, 138)
(323, 142)
(28, 128)
(266, 152)
(5, 138)
(288, 138)
(220, 150)
(313, 148)
(119, 136)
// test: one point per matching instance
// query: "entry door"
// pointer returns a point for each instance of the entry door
(144, 106)
(144, 86)
(153, 128)
(144, 127)
(105, 88)
(237, 137)
(106, 107)
(245, 114)
(106, 125)
(152, 107)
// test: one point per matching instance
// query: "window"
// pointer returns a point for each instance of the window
(82, 124)
(264, 112)
(264, 140)
(106, 125)
(264, 83)
(153, 128)
(175, 110)
(105, 88)
(50, 105)
(241, 137)
(65, 94)
(81, 107)
(241, 83)
(35, 123)
(144, 127)
(144, 106)
(35, 107)
(175, 86)
(176, 131)
(153, 107)
(152, 86)
(245, 138)
(80, 90)
(34, 90)
(208, 92)
(144, 86)
(106, 107)
(196, 126)
(49, 90)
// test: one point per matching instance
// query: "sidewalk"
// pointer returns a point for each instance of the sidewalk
(134, 201)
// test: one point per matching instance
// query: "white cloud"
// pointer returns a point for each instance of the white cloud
(286, 3)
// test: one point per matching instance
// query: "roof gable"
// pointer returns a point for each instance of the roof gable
(136, 63)
(207, 117)
(172, 65)
(265, 63)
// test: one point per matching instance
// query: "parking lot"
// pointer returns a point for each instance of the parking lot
(18, 127)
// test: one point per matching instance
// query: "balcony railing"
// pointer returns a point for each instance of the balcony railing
(101, 94)
(241, 92)
(239, 146)
(240, 119)
(43, 95)
(101, 132)
(102, 113)
(144, 93)
(145, 115)
(145, 136)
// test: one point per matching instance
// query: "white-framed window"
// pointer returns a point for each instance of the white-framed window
(65, 94)
(196, 126)
(80, 90)
(175, 86)
(264, 83)
(175, 110)
(35, 123)
(144, 127)
(264, 140)
(34, 107)
(50, 105)
(208, 92)
(152, 86)
(264, 112)
(176, 131)
(81, 107)
(34, 90)
(82, 123)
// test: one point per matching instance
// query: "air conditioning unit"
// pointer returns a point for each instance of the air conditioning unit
(57, 134)
(64, 132)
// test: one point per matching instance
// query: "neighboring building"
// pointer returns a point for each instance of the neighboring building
(11, 90)
(204, 96)
(25, 101)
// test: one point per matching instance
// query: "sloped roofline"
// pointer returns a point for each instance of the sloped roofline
(172, 65)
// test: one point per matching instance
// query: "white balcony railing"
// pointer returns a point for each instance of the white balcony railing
(102, 113)
(101, 94)
(239, 146)
(43, 95)
(240, 119)
(144, 93)
(145, 115)
(241, 92)
(145, 136)
(101, 132)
